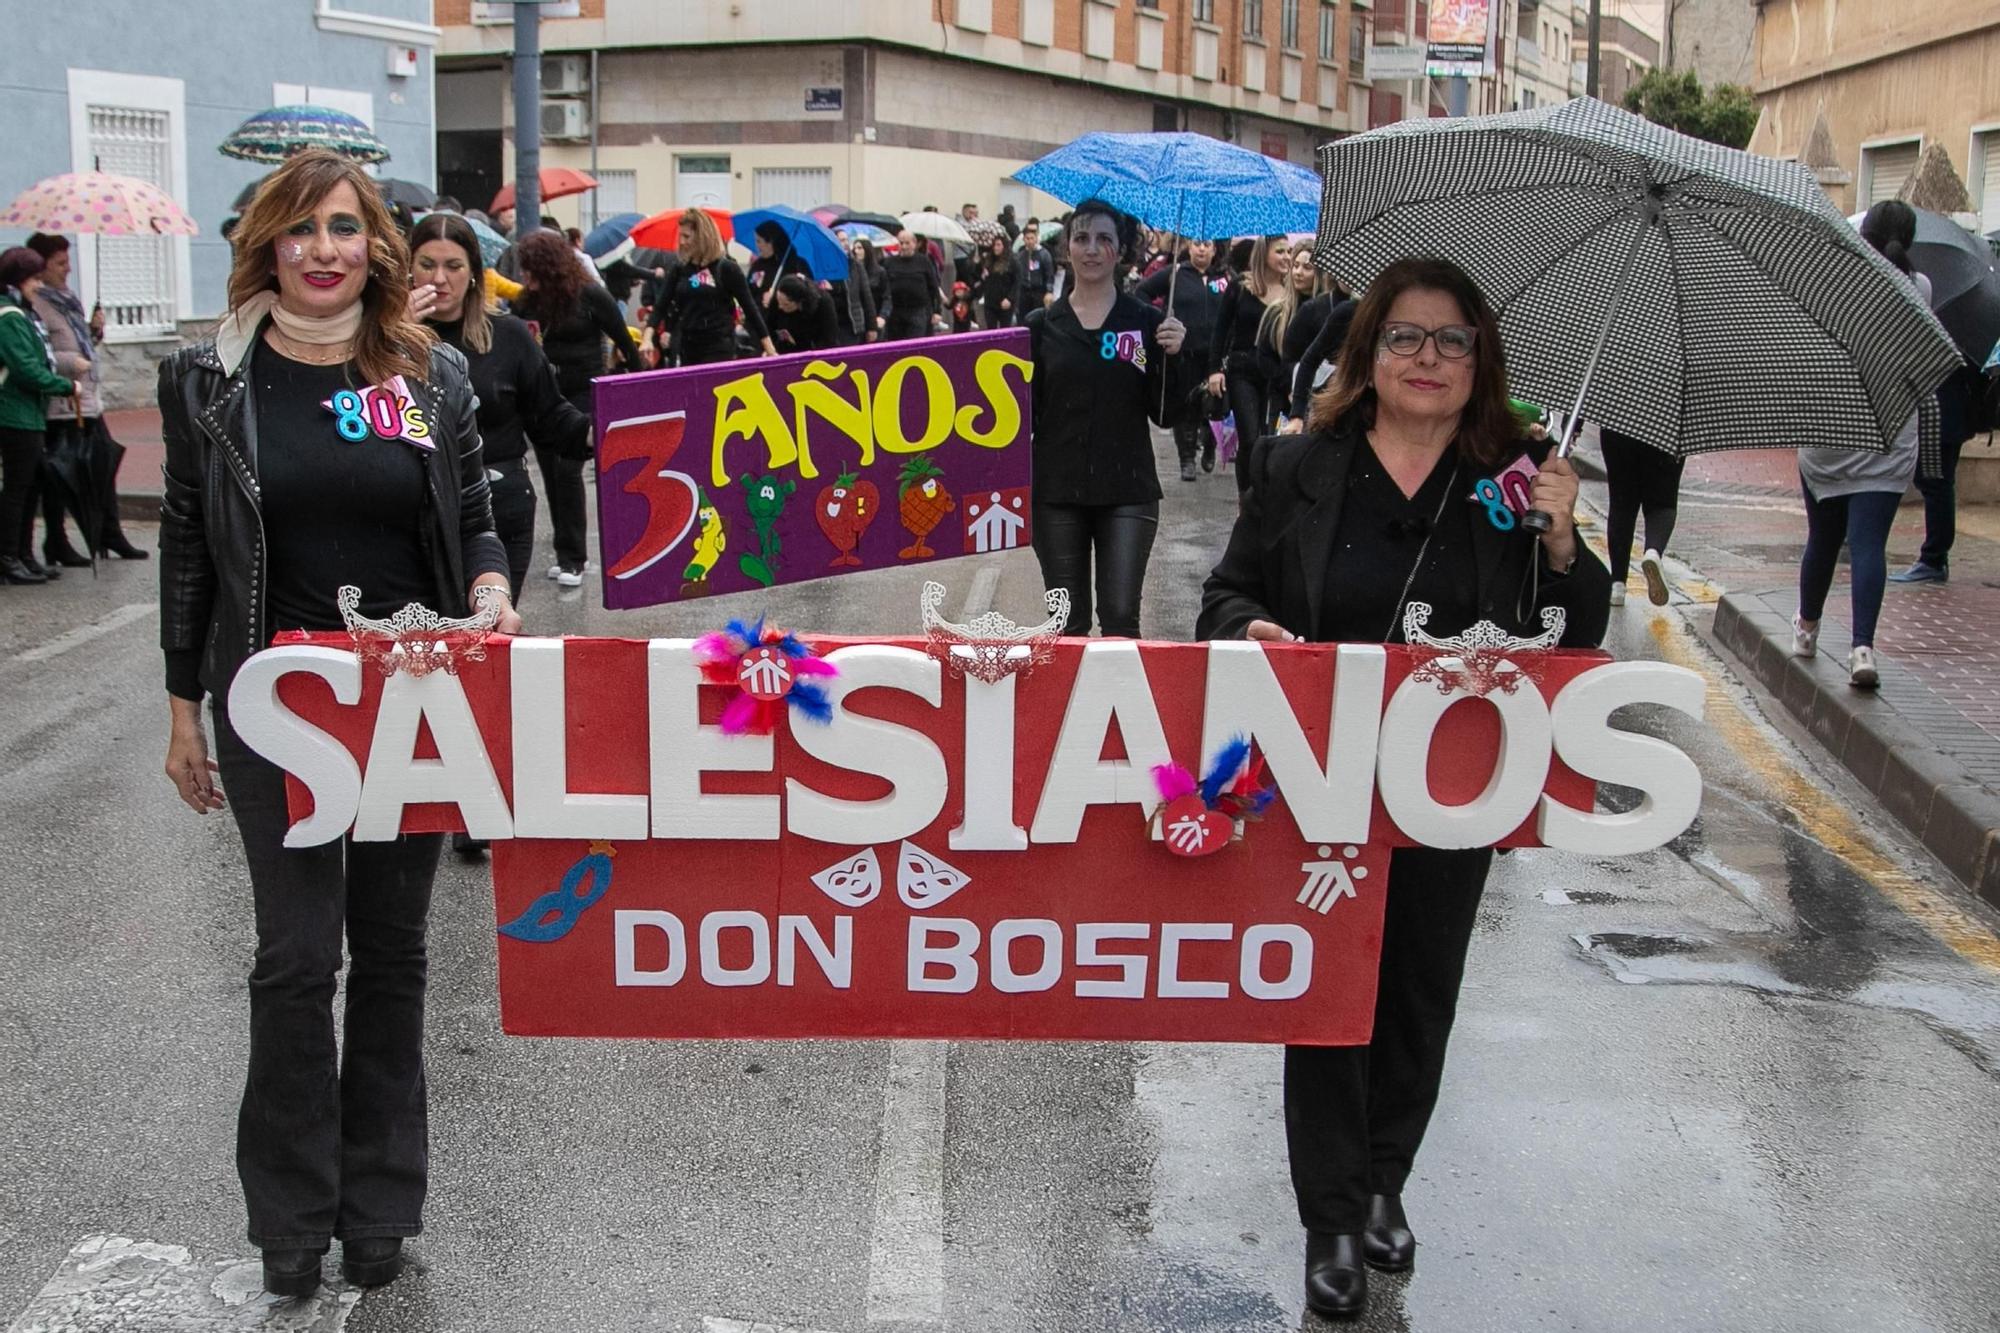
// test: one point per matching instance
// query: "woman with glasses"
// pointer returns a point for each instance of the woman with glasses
(1372, 505)
(1105, 362)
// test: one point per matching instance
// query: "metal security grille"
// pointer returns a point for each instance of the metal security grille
(1886, 168)
(135, 273)
(617, 192)
(801, 187)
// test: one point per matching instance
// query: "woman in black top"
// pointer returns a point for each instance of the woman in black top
(1323, 350)
(573, 316)
(775, 258)
(1195, 284)
(997, 282)
(1103, 363)
(854, 298)
(1293, 324)
(695, 320)
(914, 302)
(1341, 528)
(801, 316)
(519, 400)
(1234, 366)
(277, 494)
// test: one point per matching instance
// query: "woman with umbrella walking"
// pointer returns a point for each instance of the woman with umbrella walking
(1851, 494)
(1104, 363)
(29, 380)
(1342, 527)
(1192, 287)
(695, 319)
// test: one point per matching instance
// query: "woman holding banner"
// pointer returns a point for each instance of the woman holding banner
(1372, 504)
(283, 492)
(1104, 363)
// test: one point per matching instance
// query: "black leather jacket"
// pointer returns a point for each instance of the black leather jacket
(213, 579)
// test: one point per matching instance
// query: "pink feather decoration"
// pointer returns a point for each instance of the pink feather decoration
(813, 666)
(1173, 781)
(714, 648)
(738, 715)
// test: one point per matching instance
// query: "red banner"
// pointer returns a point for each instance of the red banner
(948, 857)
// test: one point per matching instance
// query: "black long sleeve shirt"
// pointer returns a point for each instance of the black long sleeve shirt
(575, 344)
(519, 401)
(1324, 347)
(1233, 345)
(807, 329)
(1197, 298)
(914, 295)
(700, 304)
(1094, 391)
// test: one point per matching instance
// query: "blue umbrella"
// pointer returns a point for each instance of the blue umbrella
(1188, 184)
(276, 134)
(611, 235)
(867, 231)
(806, 236)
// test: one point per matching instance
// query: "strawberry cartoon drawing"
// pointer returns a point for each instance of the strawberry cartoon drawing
(844, 510)
(922, 502)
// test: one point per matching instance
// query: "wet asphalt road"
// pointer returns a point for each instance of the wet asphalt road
(1741, 1083)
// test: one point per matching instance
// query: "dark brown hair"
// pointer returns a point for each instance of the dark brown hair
(555, 293)
(474, 326)
(18, 264)
(1487, 430)
(390, 342)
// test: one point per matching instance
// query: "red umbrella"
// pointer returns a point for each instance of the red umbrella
(662, 231)
(556, 182)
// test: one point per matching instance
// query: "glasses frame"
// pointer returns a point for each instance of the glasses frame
(1430, 336)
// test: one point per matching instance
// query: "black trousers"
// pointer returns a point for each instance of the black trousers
(20, 481)
(902, 329)
(330, 1142)
(1355, 1115)
(514, 518)
(707, 351)
(1120, 536)
(562, 482)
(1941, 508)
(1249, 402)
(1642, 479)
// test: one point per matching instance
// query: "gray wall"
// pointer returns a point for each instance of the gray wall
(228, 53)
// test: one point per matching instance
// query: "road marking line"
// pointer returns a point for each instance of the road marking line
(906, 1255)
(83, 634)
(716, 1324)
(115, 1282)
(1823, 820)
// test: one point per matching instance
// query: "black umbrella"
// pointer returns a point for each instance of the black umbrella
(1965, 290)
(79, 467)
(416, 196)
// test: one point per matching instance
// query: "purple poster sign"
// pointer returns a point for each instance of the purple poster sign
(737, 476)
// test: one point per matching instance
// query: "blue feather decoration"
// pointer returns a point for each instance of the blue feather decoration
(1226, 764)
(748, 635)
(790, 646)
(811, 700)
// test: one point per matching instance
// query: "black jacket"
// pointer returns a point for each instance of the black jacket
(1275, 565)
(575, 344)
(213, 580)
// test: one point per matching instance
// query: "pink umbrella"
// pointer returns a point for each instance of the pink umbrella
(100, 204)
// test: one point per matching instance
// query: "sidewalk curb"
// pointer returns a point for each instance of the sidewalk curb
(1931, 794)
(133, 508)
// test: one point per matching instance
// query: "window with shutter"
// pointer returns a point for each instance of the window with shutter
(135, 279)
(1884, 168)
(1986, 161)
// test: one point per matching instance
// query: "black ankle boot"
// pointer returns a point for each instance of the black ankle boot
(13, 571)
(64, 557)
(292, 1273)
(1387, 1243)
(1336, 1280)
(44, 572)
(119, 545)
(372, 1261)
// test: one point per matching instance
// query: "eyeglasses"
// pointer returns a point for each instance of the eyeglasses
(1454, 341)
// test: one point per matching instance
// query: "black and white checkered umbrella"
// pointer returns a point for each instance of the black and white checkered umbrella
(1693, 296)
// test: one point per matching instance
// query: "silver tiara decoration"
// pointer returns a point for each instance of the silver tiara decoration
(417, 639)
(1482, 659)
(992, 647)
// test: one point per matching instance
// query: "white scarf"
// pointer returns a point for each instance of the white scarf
(238, 330)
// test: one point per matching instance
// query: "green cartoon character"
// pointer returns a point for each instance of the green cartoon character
(765, 497)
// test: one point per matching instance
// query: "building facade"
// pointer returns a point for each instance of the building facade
(886, 105)
(1888, 80)
(1717, 39)
(111, 85)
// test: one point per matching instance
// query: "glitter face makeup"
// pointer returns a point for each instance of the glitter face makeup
(322, 260)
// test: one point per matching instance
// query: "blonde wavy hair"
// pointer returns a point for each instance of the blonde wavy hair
(390, 343)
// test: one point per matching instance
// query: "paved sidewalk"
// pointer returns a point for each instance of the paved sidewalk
(1928, 742)
(139, 487)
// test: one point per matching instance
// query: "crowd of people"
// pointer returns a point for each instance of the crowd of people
(1364, 422)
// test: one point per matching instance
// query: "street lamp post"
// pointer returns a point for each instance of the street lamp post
(527, 116)
(1596, 55)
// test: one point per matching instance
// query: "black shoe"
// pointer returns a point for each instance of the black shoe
(1388, 1244)
(292, 1273)
(1208, 458)
(13, 571)
(65, 557)
(47, 574)
(373, 1261)
(117, 544)
(1187, 470)
(467, 846)
(1336, 1281)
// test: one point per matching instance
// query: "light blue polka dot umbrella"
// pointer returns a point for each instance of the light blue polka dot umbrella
(274, 135)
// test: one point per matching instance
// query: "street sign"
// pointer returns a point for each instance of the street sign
(1394, 62)
(824, 99)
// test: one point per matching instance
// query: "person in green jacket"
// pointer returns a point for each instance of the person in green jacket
(27, 377)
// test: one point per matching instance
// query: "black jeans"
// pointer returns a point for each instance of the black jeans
(1355, 1115)
(1245, 388)
(330, 1145)
(514, 517)
(20, 479)
(562, 482)
(1641, 478)
(1863, 521)
(1122, 538)
(1941, 508)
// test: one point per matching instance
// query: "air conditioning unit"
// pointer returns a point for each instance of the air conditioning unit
(565, 76)
(565, 120)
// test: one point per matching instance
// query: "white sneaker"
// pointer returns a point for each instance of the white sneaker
(1656, 578)
(1805, 637)
(555, 571)
(569, 578)
(1618, 594)
(1861, 673)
